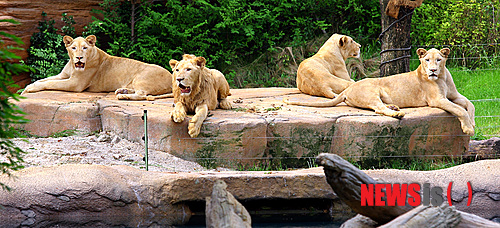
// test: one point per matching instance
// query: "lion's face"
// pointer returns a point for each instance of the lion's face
(186, 73)
(433, 61)
(79, 49)
(349, 47)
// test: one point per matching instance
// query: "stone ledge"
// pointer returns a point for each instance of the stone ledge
(121, 195)
(259, 126)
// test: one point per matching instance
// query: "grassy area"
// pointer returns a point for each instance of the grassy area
(64, 133)
(482, 87)
(409, 163)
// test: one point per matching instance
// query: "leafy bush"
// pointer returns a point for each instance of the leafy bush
(468, 25)
(10, 154)
(47, 53)
(228, 33)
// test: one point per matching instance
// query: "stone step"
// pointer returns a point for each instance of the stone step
(260, 128)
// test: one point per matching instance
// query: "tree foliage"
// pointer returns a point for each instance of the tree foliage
(10, 114)
(47, 53)
(225, 32)
(470, 27)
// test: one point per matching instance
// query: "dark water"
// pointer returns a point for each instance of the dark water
(280, 222)
(284, 225)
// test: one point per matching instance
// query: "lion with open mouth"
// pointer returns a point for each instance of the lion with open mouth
(197, 89)
(93, 70)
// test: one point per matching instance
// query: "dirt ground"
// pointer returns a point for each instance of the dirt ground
(103, 149)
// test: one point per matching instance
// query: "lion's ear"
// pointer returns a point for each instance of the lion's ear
(445, 52)
(200, 61)
(421, 52)
(91, 40)
(343, 41)
(67, 40)
(173, 63)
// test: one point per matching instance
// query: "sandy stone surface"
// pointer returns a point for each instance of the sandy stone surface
(259, 126)
(104, 148)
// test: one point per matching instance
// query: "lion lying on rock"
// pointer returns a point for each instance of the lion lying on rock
(430, 84)
(325, 73)
(91, 69)
(197, 89)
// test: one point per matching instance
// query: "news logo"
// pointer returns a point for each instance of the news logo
(400, 194)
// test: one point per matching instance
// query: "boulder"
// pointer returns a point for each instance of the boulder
(223, 210)
(259, 129)
(50, 112)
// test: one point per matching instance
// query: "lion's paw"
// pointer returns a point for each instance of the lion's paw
(193, 130)
(225, 104)
(178, 115)
(122, 97)
(30, 89)
(468, 130)
(398, 114)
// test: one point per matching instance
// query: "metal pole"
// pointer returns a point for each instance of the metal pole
(145, 118)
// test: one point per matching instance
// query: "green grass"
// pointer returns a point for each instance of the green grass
(480, 86)
(64, 133)
(413, 164)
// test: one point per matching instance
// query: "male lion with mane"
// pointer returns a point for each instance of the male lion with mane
(430, 84)
(91, 69)
(197, 89)
(325, 73)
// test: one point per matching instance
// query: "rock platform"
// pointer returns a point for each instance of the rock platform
(259, 128)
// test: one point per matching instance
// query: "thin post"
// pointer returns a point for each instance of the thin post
(145, 118)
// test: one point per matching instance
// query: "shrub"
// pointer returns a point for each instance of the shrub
(47, 53)
(468, 26)
(10, 154)
(228, 33)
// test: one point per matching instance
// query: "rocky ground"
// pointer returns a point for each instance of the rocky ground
(106, 148)
(103, 149)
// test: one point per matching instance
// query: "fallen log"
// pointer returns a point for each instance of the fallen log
(223, 210)
(427, 216)
(346, 180)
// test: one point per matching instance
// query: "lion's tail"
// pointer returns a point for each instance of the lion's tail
(154, 97)
(333, 102)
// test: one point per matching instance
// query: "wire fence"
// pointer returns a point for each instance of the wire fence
(291, 149)
(299, 150)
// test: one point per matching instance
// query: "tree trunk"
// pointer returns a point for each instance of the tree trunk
(346, 180)
(427, 216)
(396, 41)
